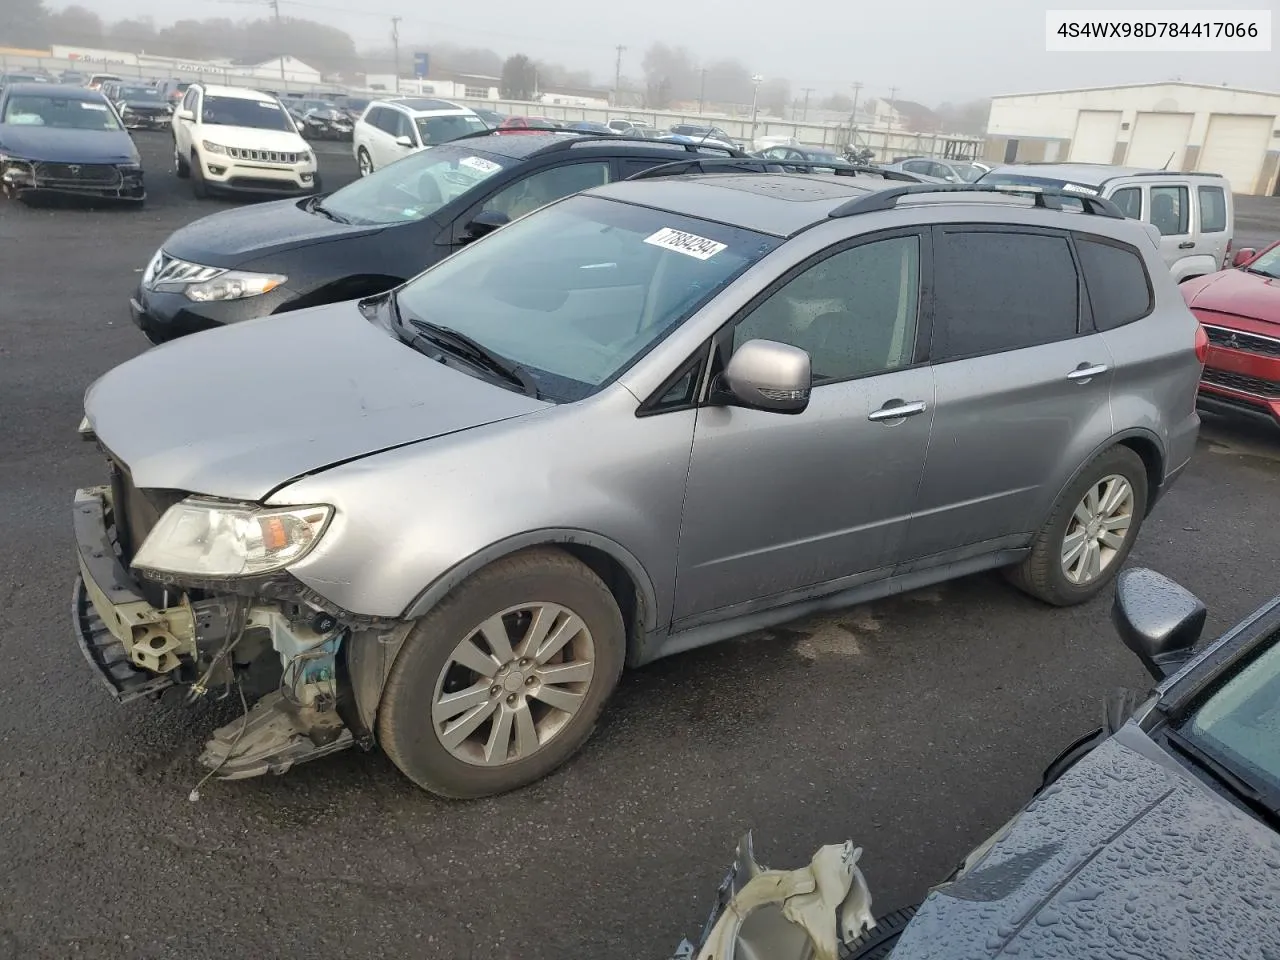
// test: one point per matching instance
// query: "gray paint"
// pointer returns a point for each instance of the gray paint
(1127, 856)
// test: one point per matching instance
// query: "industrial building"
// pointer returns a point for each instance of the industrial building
(1171, 125)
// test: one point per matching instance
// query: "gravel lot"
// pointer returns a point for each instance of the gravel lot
(914, 726)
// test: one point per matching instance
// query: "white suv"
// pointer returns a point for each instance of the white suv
(391, 129)
(229, 139)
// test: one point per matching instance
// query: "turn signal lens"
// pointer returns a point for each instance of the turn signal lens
(1202, 345)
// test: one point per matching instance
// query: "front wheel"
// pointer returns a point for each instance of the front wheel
(504, 679)
(364, 161)
(199, 188)
(180, 165)
(1089, 533)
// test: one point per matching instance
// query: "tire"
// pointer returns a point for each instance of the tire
(878, 942)
(180, 165)
(364, 162)
(427, 668)
(199, 188)
(1042, 573)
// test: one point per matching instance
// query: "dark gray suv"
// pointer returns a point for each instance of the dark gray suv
(648, 417)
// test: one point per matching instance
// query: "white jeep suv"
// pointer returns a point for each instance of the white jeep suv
(394, 128)
(234, 140)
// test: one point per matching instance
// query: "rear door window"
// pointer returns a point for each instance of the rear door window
(998, 290)
(1213, 209)
(1169, 211)
(1129, 200)
(1117, 281)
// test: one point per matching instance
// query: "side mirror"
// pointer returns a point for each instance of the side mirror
(1243, 256)
(403, 142)
(485, 222)
(770, 376)
(1157, 619)
(185, 114)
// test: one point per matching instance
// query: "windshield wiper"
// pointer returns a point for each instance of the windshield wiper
(1261, 273)
(448, 340)
(320, 208)
(1254, 797)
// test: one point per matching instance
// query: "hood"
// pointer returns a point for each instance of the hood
(54, 145)
(1126, 855)
(238, 411)
(1236, 292)
(252, 138)
(237, 236)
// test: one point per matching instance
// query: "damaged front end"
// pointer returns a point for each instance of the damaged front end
(145, 630)
(813, 913)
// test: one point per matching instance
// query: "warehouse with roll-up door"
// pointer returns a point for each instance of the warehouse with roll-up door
(1191, 127)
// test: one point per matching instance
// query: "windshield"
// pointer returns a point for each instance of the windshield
(1241, 723)
(415, 187)
(62, 113)
(1268, 264)
(578, 290)
(141, 95)
(237, 112)
(433, 130)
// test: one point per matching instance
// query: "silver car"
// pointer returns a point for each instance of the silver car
(646, 418)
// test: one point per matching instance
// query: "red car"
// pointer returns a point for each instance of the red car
(1240, 311)
(523, 125)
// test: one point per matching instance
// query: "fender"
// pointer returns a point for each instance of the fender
(1111, 441)
(436, 591)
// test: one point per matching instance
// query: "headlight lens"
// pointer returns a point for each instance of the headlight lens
(234, 285)
(213, 147)
(213, 538)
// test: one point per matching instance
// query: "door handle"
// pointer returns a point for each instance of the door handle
(1086, 372)
(896, 410)
(1186, 244)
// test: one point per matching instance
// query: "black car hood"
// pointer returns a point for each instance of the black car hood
(56, 145)
(238, 411)
(1126, 856)
(236, 237)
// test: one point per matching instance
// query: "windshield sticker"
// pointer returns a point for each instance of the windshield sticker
(690, 244)
(86, 105)
(479, 164)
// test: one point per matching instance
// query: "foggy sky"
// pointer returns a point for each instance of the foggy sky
(930, 50)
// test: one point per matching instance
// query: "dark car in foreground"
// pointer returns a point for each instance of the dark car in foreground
(372, 234)
(1240, 311)
(68, 141)
(1152, 838)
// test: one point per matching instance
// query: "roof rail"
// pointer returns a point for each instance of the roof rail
(749, 164)
(695, 148)
(1044, 198)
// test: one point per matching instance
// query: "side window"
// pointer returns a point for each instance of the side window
(1117, 281)
(1129, 200)
(631, 167)
(917, 166)
(189, 99)
(374, 118)
(404, 126)
(854, 312)
(1213, 209)
(546, 186)
(1169, 210)
(1002, 290)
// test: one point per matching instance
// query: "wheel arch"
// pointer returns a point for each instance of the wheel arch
(1145, 443)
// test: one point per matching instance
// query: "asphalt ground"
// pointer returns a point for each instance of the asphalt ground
(914, 726)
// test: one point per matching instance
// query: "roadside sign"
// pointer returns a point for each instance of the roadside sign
(420, 65)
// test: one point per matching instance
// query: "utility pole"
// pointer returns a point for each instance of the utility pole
(804, 114)
(395, 46)
(756, 80)
(702, 88)
(275, 6)
(617, 75)
(893, 91)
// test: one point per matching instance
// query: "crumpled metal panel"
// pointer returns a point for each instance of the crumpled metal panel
(1124, 858)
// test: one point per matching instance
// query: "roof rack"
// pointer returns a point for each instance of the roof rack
(578, 136)
(749, 164)
(1045, 199)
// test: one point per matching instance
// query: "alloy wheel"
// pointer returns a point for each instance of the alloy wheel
(1097, 530)
(513, 684)
(366, 164)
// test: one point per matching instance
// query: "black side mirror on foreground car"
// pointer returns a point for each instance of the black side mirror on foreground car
(1157, 619)
(486, 221)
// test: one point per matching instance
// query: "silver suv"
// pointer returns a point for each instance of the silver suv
(646, 418)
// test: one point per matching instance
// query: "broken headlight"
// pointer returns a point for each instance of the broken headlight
(200, 537)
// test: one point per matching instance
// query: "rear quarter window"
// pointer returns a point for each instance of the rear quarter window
(1213, 209)
(1117, 281)
(997, 290)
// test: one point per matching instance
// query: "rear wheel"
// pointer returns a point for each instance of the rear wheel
(180, 165)
(364, 161)
(504, 679)
(1089, 533)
